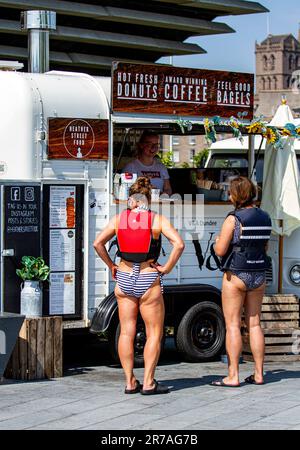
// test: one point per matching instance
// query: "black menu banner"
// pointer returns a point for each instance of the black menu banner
(22, 234)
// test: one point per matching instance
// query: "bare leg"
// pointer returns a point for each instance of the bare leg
(153, 312)
(128, 312)
(233, 295)
(253, 305)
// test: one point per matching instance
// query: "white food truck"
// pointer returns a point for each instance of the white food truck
(62, 140)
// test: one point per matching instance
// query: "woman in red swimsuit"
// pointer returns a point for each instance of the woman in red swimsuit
(139, 280)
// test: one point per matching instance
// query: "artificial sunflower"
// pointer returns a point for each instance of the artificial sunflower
(298, 131)
(270, 135)
(254, 128)
(286, 132)
(206, 124)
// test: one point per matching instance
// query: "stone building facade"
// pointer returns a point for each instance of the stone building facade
(277, 74)
(184, 148)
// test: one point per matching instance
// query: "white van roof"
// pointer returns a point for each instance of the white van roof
(235, 144)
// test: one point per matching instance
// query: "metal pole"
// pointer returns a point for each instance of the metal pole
(251, 157)
(38, 24)
(280, 261)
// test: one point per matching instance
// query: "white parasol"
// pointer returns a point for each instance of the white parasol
(281, 184)
(281, 189)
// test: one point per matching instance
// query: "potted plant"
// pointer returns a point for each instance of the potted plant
(33, 272)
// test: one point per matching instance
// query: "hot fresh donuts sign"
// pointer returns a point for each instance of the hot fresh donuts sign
(155, 89)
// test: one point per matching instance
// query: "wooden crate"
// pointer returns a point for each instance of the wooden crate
(280, 323)
(38, 351)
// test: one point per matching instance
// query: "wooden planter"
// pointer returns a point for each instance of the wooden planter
(38, 351)
(280, 322)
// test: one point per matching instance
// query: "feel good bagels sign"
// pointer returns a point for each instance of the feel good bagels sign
(158, 89)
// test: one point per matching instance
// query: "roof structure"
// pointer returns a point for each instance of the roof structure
(277, 39)
(91, 34)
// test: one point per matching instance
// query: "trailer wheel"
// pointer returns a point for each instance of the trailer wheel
(139, 343)
(201, 332)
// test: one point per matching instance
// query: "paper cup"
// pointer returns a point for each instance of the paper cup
(155, 194)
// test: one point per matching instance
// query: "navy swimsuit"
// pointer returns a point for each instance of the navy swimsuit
(252, 280)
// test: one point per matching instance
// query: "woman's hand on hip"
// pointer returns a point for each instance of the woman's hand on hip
(113, 270)
(163, 270)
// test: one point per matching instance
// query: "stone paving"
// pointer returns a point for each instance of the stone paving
(90, 396)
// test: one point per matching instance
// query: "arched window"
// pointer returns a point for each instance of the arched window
(291, 62)
(288, 82)
(263, 83)
(297, 62)
(265, 62)
(269, 83)
(272, 62)
(275, 83)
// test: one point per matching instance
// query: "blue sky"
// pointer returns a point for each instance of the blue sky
(235, 52)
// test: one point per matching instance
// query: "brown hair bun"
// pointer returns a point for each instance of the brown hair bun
(142, 186)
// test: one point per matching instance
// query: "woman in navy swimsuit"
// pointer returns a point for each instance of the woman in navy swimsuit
(242, 245)
(139, 285)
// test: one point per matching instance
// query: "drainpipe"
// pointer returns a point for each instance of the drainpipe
(39, 24)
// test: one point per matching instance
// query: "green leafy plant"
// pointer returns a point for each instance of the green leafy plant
(185, 165)
(167, 159)
(33, 269)
(200, 158)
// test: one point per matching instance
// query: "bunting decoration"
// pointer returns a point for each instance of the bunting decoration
(272, 134)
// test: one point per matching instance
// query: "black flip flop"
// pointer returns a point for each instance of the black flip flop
(158, 389)
(220, 383)
(251, 380)
(136, 390)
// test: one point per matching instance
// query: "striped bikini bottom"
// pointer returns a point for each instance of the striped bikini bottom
(135, 283)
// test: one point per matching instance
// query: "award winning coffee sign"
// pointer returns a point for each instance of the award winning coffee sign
(78, 139)
(154, 89)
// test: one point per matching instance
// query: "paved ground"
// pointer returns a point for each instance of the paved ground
(90, 396)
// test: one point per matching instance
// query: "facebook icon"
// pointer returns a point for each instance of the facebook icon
(15, 194)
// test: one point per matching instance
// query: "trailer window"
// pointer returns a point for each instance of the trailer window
(228, 161)
(237, 162)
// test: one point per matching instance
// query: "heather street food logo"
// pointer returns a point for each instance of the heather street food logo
(2, 343)
(79, 139)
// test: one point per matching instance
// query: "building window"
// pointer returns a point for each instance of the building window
(272, 62)
(192, 155)
(269, 84)
(291, 62)
(275, 83)
(263, 83)
(297, 62)
(192, 140)
(176, 156)
(265, 62)
(288, 82)
(175, 140)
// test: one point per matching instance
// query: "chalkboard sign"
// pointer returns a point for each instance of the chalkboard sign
(22, 234)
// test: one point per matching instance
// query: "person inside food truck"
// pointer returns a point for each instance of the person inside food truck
(147, 164)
